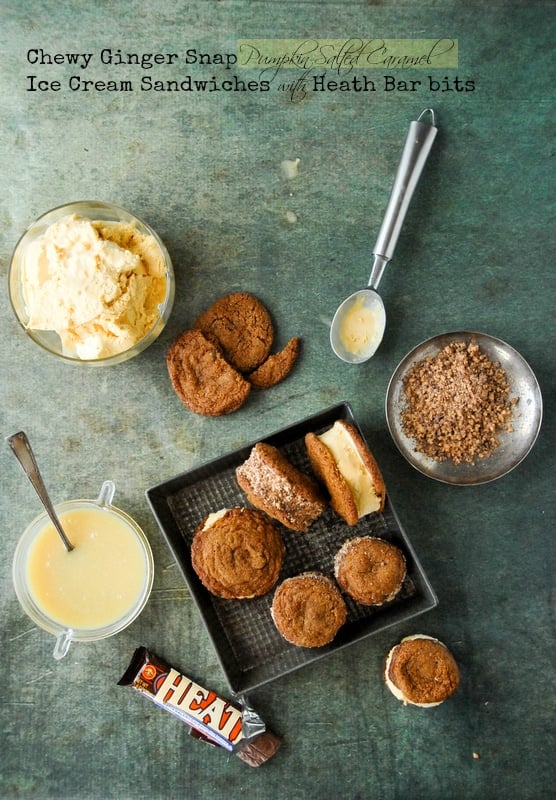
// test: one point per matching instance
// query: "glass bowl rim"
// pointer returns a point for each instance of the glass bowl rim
(33, 611)
(115, 212)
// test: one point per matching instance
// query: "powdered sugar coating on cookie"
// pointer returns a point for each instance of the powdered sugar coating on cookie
(277, 487)
(370, 570)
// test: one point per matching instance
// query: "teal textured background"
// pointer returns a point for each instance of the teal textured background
(476, 253)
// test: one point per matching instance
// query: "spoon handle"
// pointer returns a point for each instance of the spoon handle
(417, 147)
(21, 449)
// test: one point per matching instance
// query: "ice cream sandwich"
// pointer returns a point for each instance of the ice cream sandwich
(344, 463)
(421, 671)
(274, 485)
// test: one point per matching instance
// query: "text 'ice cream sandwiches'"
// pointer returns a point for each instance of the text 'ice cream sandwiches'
(342, 460)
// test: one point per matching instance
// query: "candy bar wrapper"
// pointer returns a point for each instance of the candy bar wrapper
(210, 717)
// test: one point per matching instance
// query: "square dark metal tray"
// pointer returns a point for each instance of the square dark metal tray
(249, 648)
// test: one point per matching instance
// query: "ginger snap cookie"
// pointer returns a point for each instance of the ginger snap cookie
(202, 378)
(370, 570)
(421, 671)
(344, 463)
(237, 553)
(276, 367)
(308, 610)
(276, 486)
(242, 326)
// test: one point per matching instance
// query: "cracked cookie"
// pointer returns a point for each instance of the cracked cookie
(242, 327)
(276, 367)
(202, 378)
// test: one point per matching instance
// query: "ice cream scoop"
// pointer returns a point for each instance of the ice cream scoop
(359, 322)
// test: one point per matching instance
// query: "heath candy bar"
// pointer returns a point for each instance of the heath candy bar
(210, 717)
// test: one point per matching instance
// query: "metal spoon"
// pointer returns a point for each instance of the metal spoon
(359, 322)
(21, 449)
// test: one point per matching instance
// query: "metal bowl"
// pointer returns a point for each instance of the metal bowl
(513, 445)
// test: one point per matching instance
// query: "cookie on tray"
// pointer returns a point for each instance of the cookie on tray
(370, 570)
(421, 671)
(308, 610)
(202, 378)
(276, 367)
(242, 327)
(276, 486)
(344, 463)
(237, 553)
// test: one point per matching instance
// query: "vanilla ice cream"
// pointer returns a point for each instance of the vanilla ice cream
(97, 284)
(362, 327)
(213, 518)
(353, 469)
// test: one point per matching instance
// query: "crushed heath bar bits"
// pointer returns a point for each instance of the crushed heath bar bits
(456, 404)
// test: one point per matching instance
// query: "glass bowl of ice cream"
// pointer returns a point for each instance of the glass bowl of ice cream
(91, 283)
(97, 589)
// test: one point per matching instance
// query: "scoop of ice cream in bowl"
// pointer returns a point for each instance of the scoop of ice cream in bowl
(91, 283)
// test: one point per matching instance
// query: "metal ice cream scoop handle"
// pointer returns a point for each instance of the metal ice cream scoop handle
(417, 147)
(366, 304)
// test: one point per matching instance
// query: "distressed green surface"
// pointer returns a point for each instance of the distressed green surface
(477, 252)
